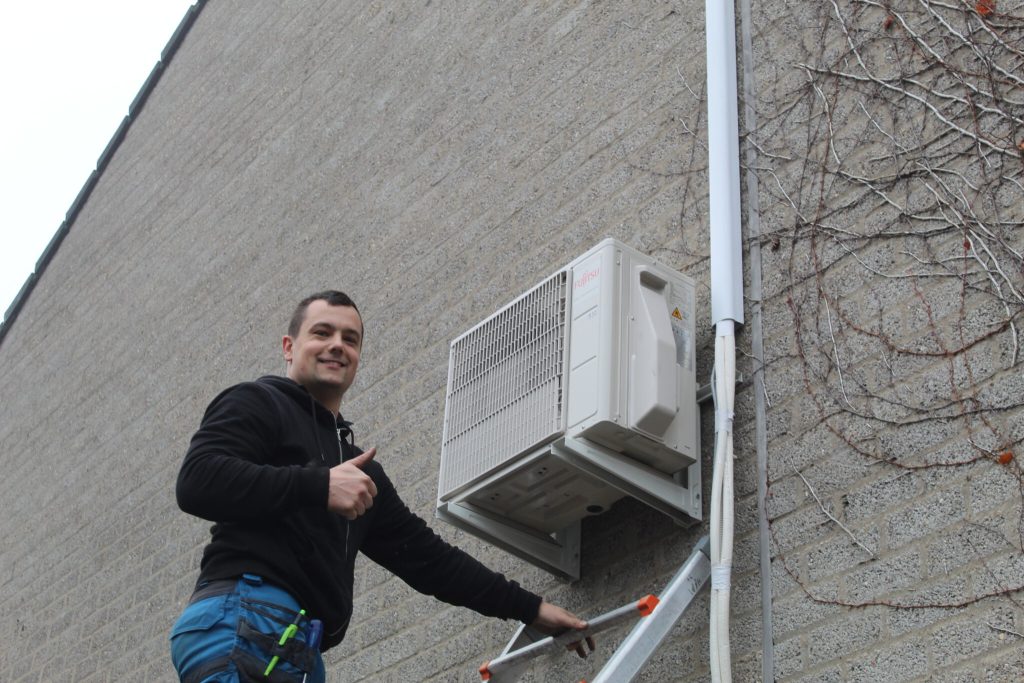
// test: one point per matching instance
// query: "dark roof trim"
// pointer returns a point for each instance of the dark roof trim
(47, 254)
(115, 142)
(101, 164)
(145, 90)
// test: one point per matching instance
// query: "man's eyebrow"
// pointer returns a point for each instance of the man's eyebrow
(345, 328)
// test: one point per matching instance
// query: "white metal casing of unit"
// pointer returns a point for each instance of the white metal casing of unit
(632, 385)
(576, 393)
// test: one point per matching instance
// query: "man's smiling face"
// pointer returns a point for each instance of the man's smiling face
(324, 355)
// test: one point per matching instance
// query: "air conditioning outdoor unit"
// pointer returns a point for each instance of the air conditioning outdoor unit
(578, 392)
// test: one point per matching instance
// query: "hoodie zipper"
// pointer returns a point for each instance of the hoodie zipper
(341, 458)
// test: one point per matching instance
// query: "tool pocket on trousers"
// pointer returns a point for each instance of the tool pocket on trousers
(259, 633)
(251, 669)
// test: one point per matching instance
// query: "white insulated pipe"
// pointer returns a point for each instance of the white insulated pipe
(724, 163)
(726, 307)
(722, 503)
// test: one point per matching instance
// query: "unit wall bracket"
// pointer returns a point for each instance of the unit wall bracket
(558, 553)
(677, 496)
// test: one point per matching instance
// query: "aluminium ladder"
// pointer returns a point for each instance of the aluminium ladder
(659, 615)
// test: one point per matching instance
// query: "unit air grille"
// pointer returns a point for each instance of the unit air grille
(505, 393)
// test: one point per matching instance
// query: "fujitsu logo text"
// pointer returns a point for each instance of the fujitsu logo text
(586, 278)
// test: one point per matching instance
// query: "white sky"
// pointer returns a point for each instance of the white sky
(68, 71)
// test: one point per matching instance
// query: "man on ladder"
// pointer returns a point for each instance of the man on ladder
(275, 467)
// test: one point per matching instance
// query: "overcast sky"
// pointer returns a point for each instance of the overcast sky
(68, 69)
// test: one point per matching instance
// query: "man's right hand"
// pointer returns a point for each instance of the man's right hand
(555, 620)
(350, 491)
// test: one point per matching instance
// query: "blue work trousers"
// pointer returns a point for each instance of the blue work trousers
(230, 631)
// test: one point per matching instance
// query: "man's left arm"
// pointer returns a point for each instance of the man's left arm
(401, 542)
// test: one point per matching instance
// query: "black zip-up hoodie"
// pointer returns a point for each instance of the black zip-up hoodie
(259, 468)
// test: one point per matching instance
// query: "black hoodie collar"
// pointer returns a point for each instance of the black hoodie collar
(301, 395)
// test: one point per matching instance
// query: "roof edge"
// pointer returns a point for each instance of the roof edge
(134, 109)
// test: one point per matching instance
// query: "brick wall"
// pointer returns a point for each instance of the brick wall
(890, 352)
(435, 160)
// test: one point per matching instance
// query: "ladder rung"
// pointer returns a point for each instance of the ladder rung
(507, 665)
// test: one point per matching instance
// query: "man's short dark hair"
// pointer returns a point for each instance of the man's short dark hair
(331, 296)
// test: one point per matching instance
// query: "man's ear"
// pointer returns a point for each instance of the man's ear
(286, 347)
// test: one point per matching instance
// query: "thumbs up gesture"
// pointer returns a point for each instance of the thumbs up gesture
(350, 491)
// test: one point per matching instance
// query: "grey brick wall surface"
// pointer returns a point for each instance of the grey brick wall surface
(435, 159)
(890, 353)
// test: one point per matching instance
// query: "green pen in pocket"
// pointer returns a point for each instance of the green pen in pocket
(289, 632)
